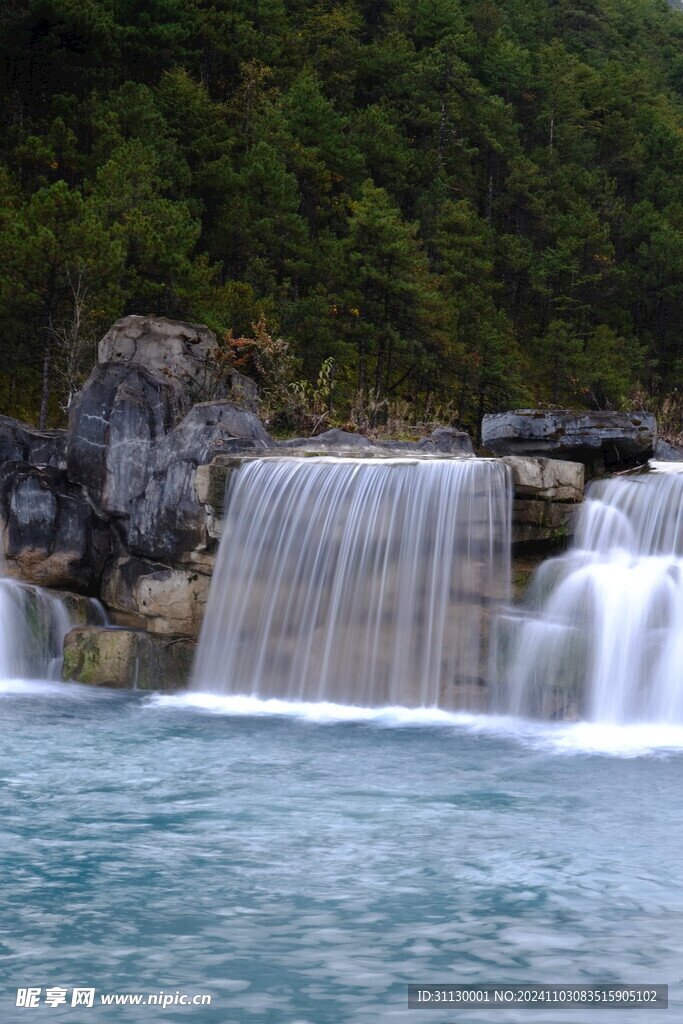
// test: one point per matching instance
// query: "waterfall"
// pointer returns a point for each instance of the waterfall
(601, 633)
(357, 580)
(33, 624)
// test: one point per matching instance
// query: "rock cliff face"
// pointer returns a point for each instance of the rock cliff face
(113, 424)
(184, 353)
(126, 658)
(136, 435)
(50, 534)
(167, 520)
(21, 443)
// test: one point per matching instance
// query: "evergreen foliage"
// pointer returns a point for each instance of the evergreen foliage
(469, 202)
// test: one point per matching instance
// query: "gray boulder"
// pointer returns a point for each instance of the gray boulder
(443, 440)
(600, 440)
(50, 534)
(168, 522)
(334, 438)
(22, 443)
(665, 452)
(447, 440)
(113, 423)
(242, 391)
(185, 354)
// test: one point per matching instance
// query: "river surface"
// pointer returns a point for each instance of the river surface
(304, 864)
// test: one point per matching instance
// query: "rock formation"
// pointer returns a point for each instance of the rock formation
(50, 534)
(128, 504)
(601, 440)
(22, 443)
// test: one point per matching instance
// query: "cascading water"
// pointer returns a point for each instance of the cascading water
(33, 624)
(601, 635)
(358, 581)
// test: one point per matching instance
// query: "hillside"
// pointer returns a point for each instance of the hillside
(468, 205)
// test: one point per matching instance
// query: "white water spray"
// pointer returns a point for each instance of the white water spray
(33, 624)
(601, 636)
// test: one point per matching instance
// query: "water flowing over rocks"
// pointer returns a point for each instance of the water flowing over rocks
(600, 632)
(360, 581)
(601, 440)
(33, 623)
(129, 505)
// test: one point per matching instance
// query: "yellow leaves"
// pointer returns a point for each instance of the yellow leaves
(336, 311)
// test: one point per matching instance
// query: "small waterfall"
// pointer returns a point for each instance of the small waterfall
(359, 581)
(601, 635)
(33, 624)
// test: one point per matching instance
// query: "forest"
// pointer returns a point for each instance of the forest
(391, 212)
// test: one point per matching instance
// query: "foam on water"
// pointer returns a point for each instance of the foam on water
(49, 688)
(634, 740)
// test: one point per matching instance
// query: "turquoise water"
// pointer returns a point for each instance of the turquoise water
(303, 868)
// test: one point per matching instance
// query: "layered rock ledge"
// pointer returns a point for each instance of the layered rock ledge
(600, 440)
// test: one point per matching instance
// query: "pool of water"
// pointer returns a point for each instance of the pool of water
(304, 864)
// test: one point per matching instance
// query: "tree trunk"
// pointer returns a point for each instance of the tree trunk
(45, 390)
(47, 347)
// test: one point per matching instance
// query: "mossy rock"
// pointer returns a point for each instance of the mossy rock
(127, 659)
